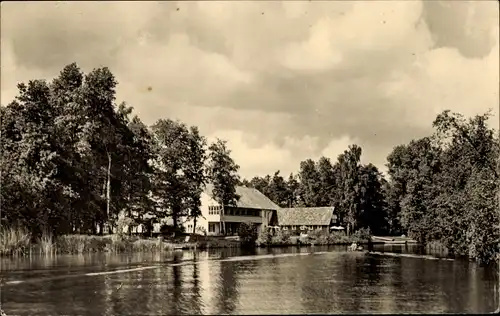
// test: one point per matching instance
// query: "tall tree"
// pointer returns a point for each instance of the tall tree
(372, 204)
(293, 190)
(178, 175)
(223, 174)
(309, 184)
(327, 182)
(261, 184)
(195, 172)
(349, 166)
(278, 190)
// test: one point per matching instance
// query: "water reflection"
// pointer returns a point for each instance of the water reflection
(202, 283)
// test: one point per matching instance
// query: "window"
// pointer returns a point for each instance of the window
(285, 228)
(211, 228)
(293, 227)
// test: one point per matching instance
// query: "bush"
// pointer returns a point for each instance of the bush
(362, 235)
(124, 222)
(282, 237)
(169, 230)
(338, 238)
(248, 233)
(264, 238)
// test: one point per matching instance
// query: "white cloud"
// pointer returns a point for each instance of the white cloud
(284, 81)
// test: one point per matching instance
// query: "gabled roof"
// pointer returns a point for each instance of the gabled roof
(305, 216)
(249, 198)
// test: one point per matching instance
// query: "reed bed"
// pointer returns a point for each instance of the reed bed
(17, 241)
(14, 241)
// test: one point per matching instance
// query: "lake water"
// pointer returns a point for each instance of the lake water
(263, 281)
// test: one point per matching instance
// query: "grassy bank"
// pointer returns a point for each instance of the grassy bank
(17, 242)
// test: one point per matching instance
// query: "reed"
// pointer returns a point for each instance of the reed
(47, 244)
(14, 241)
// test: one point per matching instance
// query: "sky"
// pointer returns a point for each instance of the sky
(280, 81)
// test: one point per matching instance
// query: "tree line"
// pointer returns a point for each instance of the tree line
(73, 158)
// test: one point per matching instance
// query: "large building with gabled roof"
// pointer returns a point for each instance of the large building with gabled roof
(252, 207)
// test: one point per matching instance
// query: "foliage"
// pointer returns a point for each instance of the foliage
(447, 187)
(362, 235)
(72, 160)
(264, 237)
(179, 174)
(248, 233)
(69, 156)
(223, 173)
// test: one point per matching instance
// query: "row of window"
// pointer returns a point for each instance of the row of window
(243, 212)
(216, 210)
(303, 227)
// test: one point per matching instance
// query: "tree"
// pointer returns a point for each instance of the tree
(195, 172)
(293, 190)
(261, 184)
(74, 150)
(349, 204)
(278, 190)
(223, 174)
(309, 180)
(372, 202)
(179, 159)
(327, 182)
(447, 185)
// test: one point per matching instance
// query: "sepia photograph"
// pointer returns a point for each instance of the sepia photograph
(249, 157)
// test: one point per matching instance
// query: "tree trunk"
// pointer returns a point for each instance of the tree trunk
(194, 225)
(223, 224)
(108, 192)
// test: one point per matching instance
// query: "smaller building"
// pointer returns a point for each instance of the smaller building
(306, 218)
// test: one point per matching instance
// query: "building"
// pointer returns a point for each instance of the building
(306, 218)
(252, 207)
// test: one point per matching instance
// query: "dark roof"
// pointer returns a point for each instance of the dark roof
(306, 216)
(249, 198)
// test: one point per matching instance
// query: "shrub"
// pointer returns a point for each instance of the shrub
(338, 238)
(169, 230)
(264, 238)
(282, 237)
(362, 235)
(124, 222)
(248, 233)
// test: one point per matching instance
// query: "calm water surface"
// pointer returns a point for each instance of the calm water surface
(275, 281)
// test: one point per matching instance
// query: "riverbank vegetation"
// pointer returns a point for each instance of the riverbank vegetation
(316, 237)
(72, 159)
(18, 242)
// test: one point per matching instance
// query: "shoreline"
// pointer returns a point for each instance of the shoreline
(92, 244)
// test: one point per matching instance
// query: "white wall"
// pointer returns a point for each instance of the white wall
(202, 221)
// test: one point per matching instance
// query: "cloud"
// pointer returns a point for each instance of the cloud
(282, 80)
